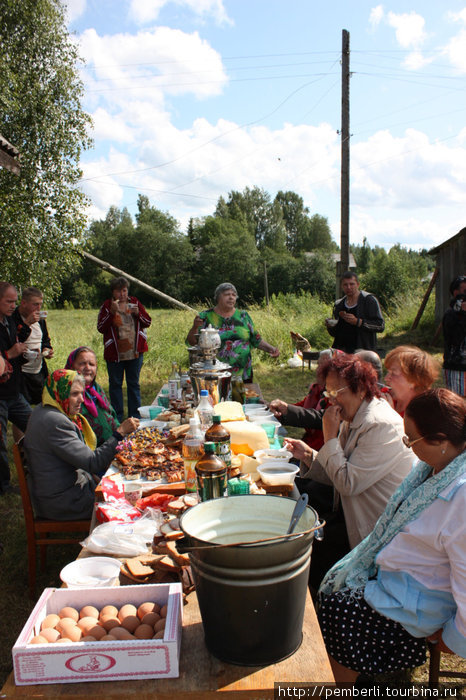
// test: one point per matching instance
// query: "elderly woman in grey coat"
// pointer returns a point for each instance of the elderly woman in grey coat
(61, 452)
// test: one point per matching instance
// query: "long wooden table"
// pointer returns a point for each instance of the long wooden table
(201, 675)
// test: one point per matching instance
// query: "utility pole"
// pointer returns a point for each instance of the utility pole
(345, 157)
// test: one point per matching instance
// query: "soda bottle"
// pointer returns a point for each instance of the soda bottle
(174, 383)
(205, 410)
(218, 434)
(211, 474)
(192, 450)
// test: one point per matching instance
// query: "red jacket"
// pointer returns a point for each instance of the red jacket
(106, 325)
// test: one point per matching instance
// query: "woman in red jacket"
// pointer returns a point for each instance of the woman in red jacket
(123, 320)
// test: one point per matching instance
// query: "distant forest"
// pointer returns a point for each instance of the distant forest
(247, 233)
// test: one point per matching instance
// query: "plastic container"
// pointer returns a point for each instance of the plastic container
(192, 451)
(257, 416)
(205, 410)
(91, 572)
(149, 411)
(251, 594)
(277, 473)
(271, 430)
(272, 454)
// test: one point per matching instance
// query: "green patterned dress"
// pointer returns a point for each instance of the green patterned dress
(237, 334)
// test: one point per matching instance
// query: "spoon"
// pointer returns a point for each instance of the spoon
(297, 512)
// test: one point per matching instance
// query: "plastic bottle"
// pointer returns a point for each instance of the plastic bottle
(192, 450)
(205, 410)
(211, 474)
(174, 383)
(218, 434)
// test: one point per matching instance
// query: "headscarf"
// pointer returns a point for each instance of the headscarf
(56, 393)
(91, 395)
(414, 494)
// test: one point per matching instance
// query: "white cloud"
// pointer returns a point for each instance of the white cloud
(409, 28)
(147, 11)
(74, 9)
(415, 60)
(456, 49)
(376, 16)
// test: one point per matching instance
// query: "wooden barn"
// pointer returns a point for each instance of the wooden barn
(450, 259)
(9, 156)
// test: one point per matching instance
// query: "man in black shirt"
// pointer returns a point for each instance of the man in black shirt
(13, 405)
(358, 318)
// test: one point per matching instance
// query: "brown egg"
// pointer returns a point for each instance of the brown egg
(64, 640)
(85, 623)
(121, 633)
(109, 610)
(74, 633)
(50, 634)
(160, 625)
(108, 622)
(145, 608)
(64, 624)
(144, 632)
(108, 638)
(89, 611)
(70, 612)
(150, 618)
(97, 631)
(163, 611)
(130, 622)
(50, 621)
(88, 638)
(126, 610)
(38, 639)
(158, 635)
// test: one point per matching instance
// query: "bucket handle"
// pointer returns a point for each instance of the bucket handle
(295, 535)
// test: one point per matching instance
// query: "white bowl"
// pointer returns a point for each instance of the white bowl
(277, 473)
(273, 454)
(91, 572)
(332, 322)
(260, 416)
(253, 407)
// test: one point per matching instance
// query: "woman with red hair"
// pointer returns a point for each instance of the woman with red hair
(410, 371)
(363, 454)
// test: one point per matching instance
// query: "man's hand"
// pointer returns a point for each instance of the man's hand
(33, 317)
(16, 350)
(278, 407)
(114, 307)
(349, 318)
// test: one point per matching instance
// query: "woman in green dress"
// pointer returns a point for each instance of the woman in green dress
(236, 331)
(95, 407)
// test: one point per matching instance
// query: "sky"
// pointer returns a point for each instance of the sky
(191, 99)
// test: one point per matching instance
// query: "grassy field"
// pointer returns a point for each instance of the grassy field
(70, 328)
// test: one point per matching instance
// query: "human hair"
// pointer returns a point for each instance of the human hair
(359, 376)
(438, 414)
(4, 286)
(456, 284)
(418, 367)
(29, 292)
(373, 359)
(79, 379)
(349, 274)
(119, 283)
(224, 287)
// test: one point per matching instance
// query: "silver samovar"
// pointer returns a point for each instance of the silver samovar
(208, 372)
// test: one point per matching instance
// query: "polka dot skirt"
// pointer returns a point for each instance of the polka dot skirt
(364, 640)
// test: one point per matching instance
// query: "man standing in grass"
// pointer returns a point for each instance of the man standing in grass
(358, 317)
(13, 405)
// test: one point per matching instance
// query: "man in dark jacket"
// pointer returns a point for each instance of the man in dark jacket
(358, 318)
(34, 371)
(13, 405)
(454, 335)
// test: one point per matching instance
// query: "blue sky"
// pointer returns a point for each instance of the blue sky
(194, 98)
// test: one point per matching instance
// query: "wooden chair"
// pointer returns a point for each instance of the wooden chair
(435, 672)
(39, 529)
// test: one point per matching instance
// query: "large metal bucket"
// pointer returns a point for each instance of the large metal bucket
(252, 588)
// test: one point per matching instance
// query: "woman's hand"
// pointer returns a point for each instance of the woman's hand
(437, 638)
(331, 422)
(299, 450)
(197, 323)
(128, 426)
(278, 407)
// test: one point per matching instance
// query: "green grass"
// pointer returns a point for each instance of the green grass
(70, 328)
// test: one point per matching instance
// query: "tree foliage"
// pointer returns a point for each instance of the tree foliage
(41, 211)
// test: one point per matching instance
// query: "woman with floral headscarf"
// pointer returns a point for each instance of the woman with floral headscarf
(95, 407)
(61, 451)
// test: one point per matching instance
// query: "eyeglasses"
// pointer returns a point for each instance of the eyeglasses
(333, 393)
(410, 443)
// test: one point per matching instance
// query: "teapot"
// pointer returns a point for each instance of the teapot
(209, 338)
